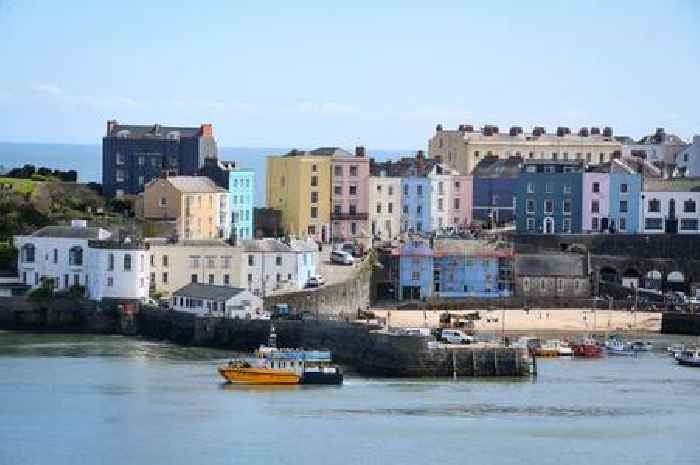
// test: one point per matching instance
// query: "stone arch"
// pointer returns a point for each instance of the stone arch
(609, 274)
(676, 281)
(653, 279)
(631, 277)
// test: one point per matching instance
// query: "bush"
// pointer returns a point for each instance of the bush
(76, 291)
(41, 293)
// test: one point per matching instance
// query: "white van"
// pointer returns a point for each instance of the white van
(343, 258)
(455, 336)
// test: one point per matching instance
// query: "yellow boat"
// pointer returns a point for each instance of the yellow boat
(243, 372)
(546, 351)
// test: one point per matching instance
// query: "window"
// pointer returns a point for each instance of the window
(589, 157)
(596, 187)
(194, 262)
(566, 155)
(226, 262)
(127, 262)
(622, 224)
(530, 206)
(531, 155)
(337, 209)
(120, 175)
(278, 260)
(120, 158)
(314, 212)
(338, 190)
(654, 224)
(689, 206)
(457, 185)
(566, 207)
(110, 281)
(110, 262)
(337, 170)
(379, 207)
(353, 170)
(352, 209)
(227, 280)
(251, 260)
(419, 226)
(689, 224)
(419, 189)
(419, 209)
(566, 225)
(623, 206)
(211, 262)
(405, 209)
(391, 190)
(353, 190)
(456, 204)
(314, 197)
(548, 169)
(548, 207)
(548, 188)
(75, 256)
(390, 207)
(602, 157)
(623, 188)
(193, 278)
(353, 228)
(595, 223)
(165, 277)
(314, 168)
(379, 187)
(441, 188)
(595, 206)
(654, 206)
(530, 224)
(165, 261)
(440, 205)
(211, 278)
(554, 155)
(567, 188)
(530, 188)
(314, 181)
(142, 180)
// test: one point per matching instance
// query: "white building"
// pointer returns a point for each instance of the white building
(670, 206)
(57, 256)
(658, 147)
(308, 260)
(229, 302)
(117, 270)
(268, 266)
(385, 206)
(688, 160)
(450, 199)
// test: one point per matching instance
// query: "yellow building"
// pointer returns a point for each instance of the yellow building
(197, 206)
(298, 184)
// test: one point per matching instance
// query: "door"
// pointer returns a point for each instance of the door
(672, 221)
(604, 224)
(548, 226)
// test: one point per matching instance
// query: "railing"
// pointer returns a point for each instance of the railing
(350, 216)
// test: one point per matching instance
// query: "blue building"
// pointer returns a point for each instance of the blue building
(415, 270)
(132, 155)
(625, 192)
(494, 183)
(415, 204)
(240, 183)
(549, 197)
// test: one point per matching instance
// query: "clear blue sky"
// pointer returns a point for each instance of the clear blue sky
(281, 74)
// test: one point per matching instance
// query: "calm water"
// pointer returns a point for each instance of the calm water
(87, 159)
(112, 400)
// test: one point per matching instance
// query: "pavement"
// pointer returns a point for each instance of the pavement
(333, 273)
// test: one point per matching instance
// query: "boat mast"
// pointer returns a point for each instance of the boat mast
(272, 338)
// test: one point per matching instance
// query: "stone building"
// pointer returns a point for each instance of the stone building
(494, 183)
(552, 275)
(133, 155)
(670, 206)
(464, 147)
(659, 147)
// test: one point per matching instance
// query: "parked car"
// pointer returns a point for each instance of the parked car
(341, 257)
(313, 281)
(455, 336)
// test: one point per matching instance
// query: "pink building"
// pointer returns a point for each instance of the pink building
(596, 202)
(349, 195)
(450, 199)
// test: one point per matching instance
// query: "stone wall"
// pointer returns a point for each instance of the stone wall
(59, 314)
(679, 323)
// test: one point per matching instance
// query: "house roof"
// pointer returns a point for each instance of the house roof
(264, 245)
(549, 265)
(194, 184)
(494, 167)
(153, 131)
(69, 232)
(403, 167)
(208, 291)
(690, 184)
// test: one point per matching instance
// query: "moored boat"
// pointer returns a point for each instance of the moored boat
(587, 348)
(242, 371)
(642, 346)
(690, 358)
(617, 347)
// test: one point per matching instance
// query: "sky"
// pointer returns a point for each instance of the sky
(382, 74)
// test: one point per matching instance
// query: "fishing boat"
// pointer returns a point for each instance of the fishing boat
(565, 349)
(689, 358)
(245, 372)
(549, 349)
(588, 348)
(618, 347)
(675, 350)
(642, 346)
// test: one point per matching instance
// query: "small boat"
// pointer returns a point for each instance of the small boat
(675, 349)
(689, 358)
(565, 349)
(617, 347)
(587, 348)
(553, 348)
(642, 346)
(242, 371)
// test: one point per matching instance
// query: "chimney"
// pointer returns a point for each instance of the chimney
(205, 129)
(360, 151)
(583, 132)
(539, 131)
(438, 128)
(111, 126)
(515, 131)
(595, 131)
(607, 131)
(420, 155)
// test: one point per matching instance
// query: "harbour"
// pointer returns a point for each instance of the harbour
(113, 399)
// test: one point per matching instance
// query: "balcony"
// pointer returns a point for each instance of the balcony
(349, 216)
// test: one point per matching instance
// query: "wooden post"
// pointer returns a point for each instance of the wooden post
(534, 365)
(454, 364)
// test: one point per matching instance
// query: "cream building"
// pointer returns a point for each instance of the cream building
(462, 148)
(298, 184)
(176, 264)
(197, 206)
(384, 206)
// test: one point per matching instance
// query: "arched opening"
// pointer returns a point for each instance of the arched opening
(608, 275)
(548, 225)
(75, 256)
(652, 280)
(28, 252)
(630, 278)
(675, 281)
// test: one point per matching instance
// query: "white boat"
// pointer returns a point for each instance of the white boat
(643, 346)
(689, 358)
(675, 349)
(617, 347)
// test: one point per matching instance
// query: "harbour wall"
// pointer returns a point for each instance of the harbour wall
(681, 323)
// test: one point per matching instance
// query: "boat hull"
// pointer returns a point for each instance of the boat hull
(689, 363)
(258, 375)
(322, 378)
(587, 351)
(546, 352)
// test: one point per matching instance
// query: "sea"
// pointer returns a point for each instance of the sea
(98, 399)
(87, 159)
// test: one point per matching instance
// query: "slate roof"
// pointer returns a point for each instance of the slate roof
(494, 167)
(672, 185)
(194, 184)
(403, 167)
(264, 245)
(68, 232)
(208, 291)
(550, 265)
(153, 131)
